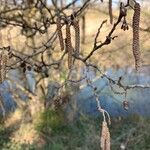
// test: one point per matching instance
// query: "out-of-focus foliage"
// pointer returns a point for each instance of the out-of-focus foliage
(51, 122)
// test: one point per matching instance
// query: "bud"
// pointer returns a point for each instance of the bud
(125, 104)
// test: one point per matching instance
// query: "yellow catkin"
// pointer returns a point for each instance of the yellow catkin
(77, 35)
(105, 137)
(69, 47)
(110, 11)
(136, 45)
(59, 33)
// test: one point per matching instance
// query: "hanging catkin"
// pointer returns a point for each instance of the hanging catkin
(3, 64)
(110, 12)
(1, 78)
(10, 53)
(59, 33)
(77, 35)
(105, 137)
(69, 48)
(135, 44)
(5, 60)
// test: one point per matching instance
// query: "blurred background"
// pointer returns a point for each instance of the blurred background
(44, 106)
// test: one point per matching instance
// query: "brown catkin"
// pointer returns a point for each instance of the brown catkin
(105, 137)
(3, 64)
(77, 35)
(2, 106)
(1, 78)
(110, 12)
(135, 44)
(10, 53)
(69, 47)
(5, 60)
(59, 33)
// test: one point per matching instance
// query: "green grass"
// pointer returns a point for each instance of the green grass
(83, 134)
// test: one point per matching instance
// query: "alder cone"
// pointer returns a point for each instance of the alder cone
(126, 105)
(69, 47)
(77, 35)
(135, 44)
(57, 102)
(59, 33)
(61, 100)
(105, 137)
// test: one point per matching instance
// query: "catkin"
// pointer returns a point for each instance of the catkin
(3, 64)
(10, 53)
(59, 33)
(1, 78)
(69, 47)
(77, 35)
(5, 60)
(135, 44)
(105, 137)
(2, 106)
(110, 12)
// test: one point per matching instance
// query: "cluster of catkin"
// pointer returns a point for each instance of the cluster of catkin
(105, 136)
(136, 45)
(3, 64)
(68, 42)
